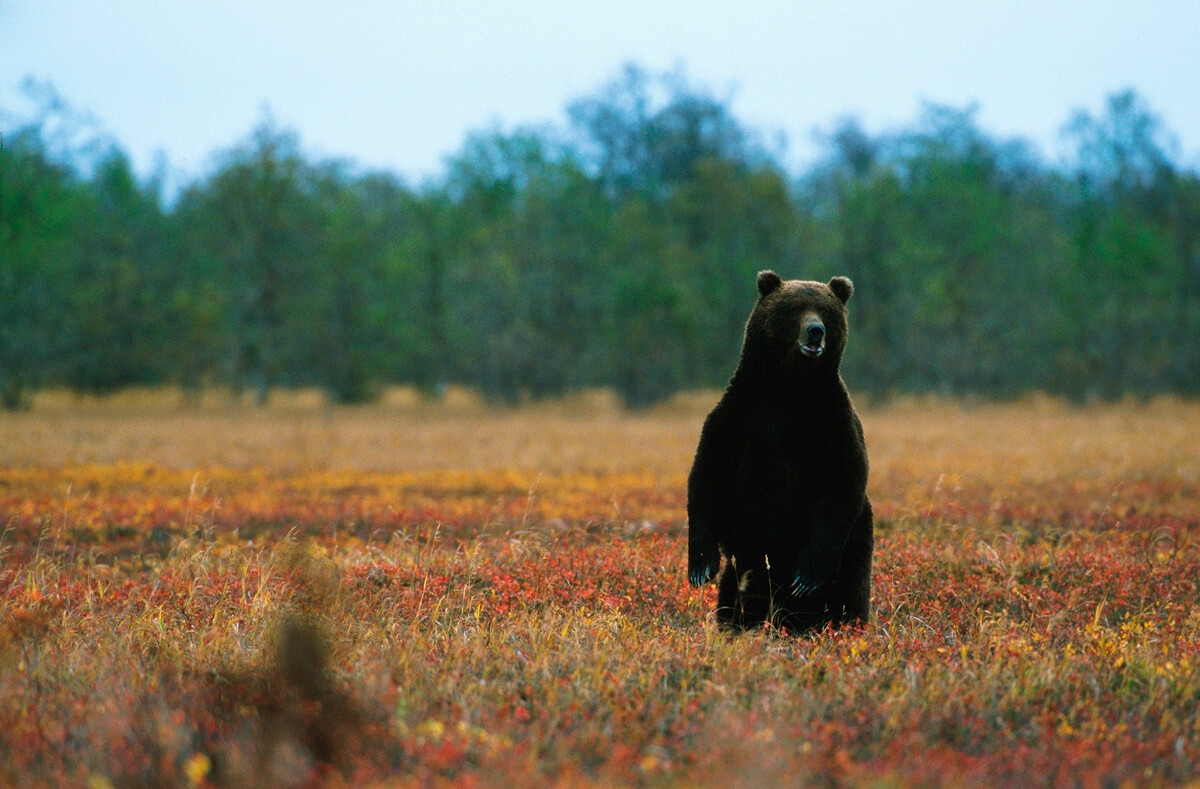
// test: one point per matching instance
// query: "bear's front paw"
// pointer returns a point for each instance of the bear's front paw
(703, 566)
(808, 582)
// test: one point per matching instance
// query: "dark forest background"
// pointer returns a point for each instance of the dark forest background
(617, 250)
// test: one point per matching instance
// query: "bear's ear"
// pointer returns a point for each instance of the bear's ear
(842, 287)
(768, 281)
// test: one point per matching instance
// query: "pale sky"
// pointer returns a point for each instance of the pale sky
(398, 85)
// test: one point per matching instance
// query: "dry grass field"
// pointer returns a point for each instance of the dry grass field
(417, 594)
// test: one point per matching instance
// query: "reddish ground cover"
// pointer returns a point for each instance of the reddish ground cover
(1037, 617)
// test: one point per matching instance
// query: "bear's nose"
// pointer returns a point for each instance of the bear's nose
(815, 333)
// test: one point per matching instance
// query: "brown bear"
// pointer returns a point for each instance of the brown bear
(779, 480)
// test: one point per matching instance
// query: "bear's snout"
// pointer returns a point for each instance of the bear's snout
(814, 336)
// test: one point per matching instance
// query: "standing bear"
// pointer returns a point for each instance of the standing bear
(779, 482)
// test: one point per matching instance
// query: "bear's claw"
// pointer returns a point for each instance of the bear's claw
(802, 587)
(702, 571)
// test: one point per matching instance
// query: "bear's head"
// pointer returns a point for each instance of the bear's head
(798, 324)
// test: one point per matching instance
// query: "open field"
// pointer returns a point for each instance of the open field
(414, 594)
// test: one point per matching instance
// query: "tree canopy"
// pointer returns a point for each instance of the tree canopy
(616, 251)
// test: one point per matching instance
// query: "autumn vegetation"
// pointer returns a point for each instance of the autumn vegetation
(422, 593)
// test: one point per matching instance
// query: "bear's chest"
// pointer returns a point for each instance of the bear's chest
(780, 466)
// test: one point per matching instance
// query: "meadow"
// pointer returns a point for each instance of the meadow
(419, 594)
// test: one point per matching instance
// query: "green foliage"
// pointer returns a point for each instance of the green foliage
(118, 329)
(619, 251)
(33, 197)
(42, 202)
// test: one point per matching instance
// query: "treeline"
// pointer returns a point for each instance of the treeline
(616, 251)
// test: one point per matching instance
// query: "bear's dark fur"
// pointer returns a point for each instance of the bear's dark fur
(779, 481)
